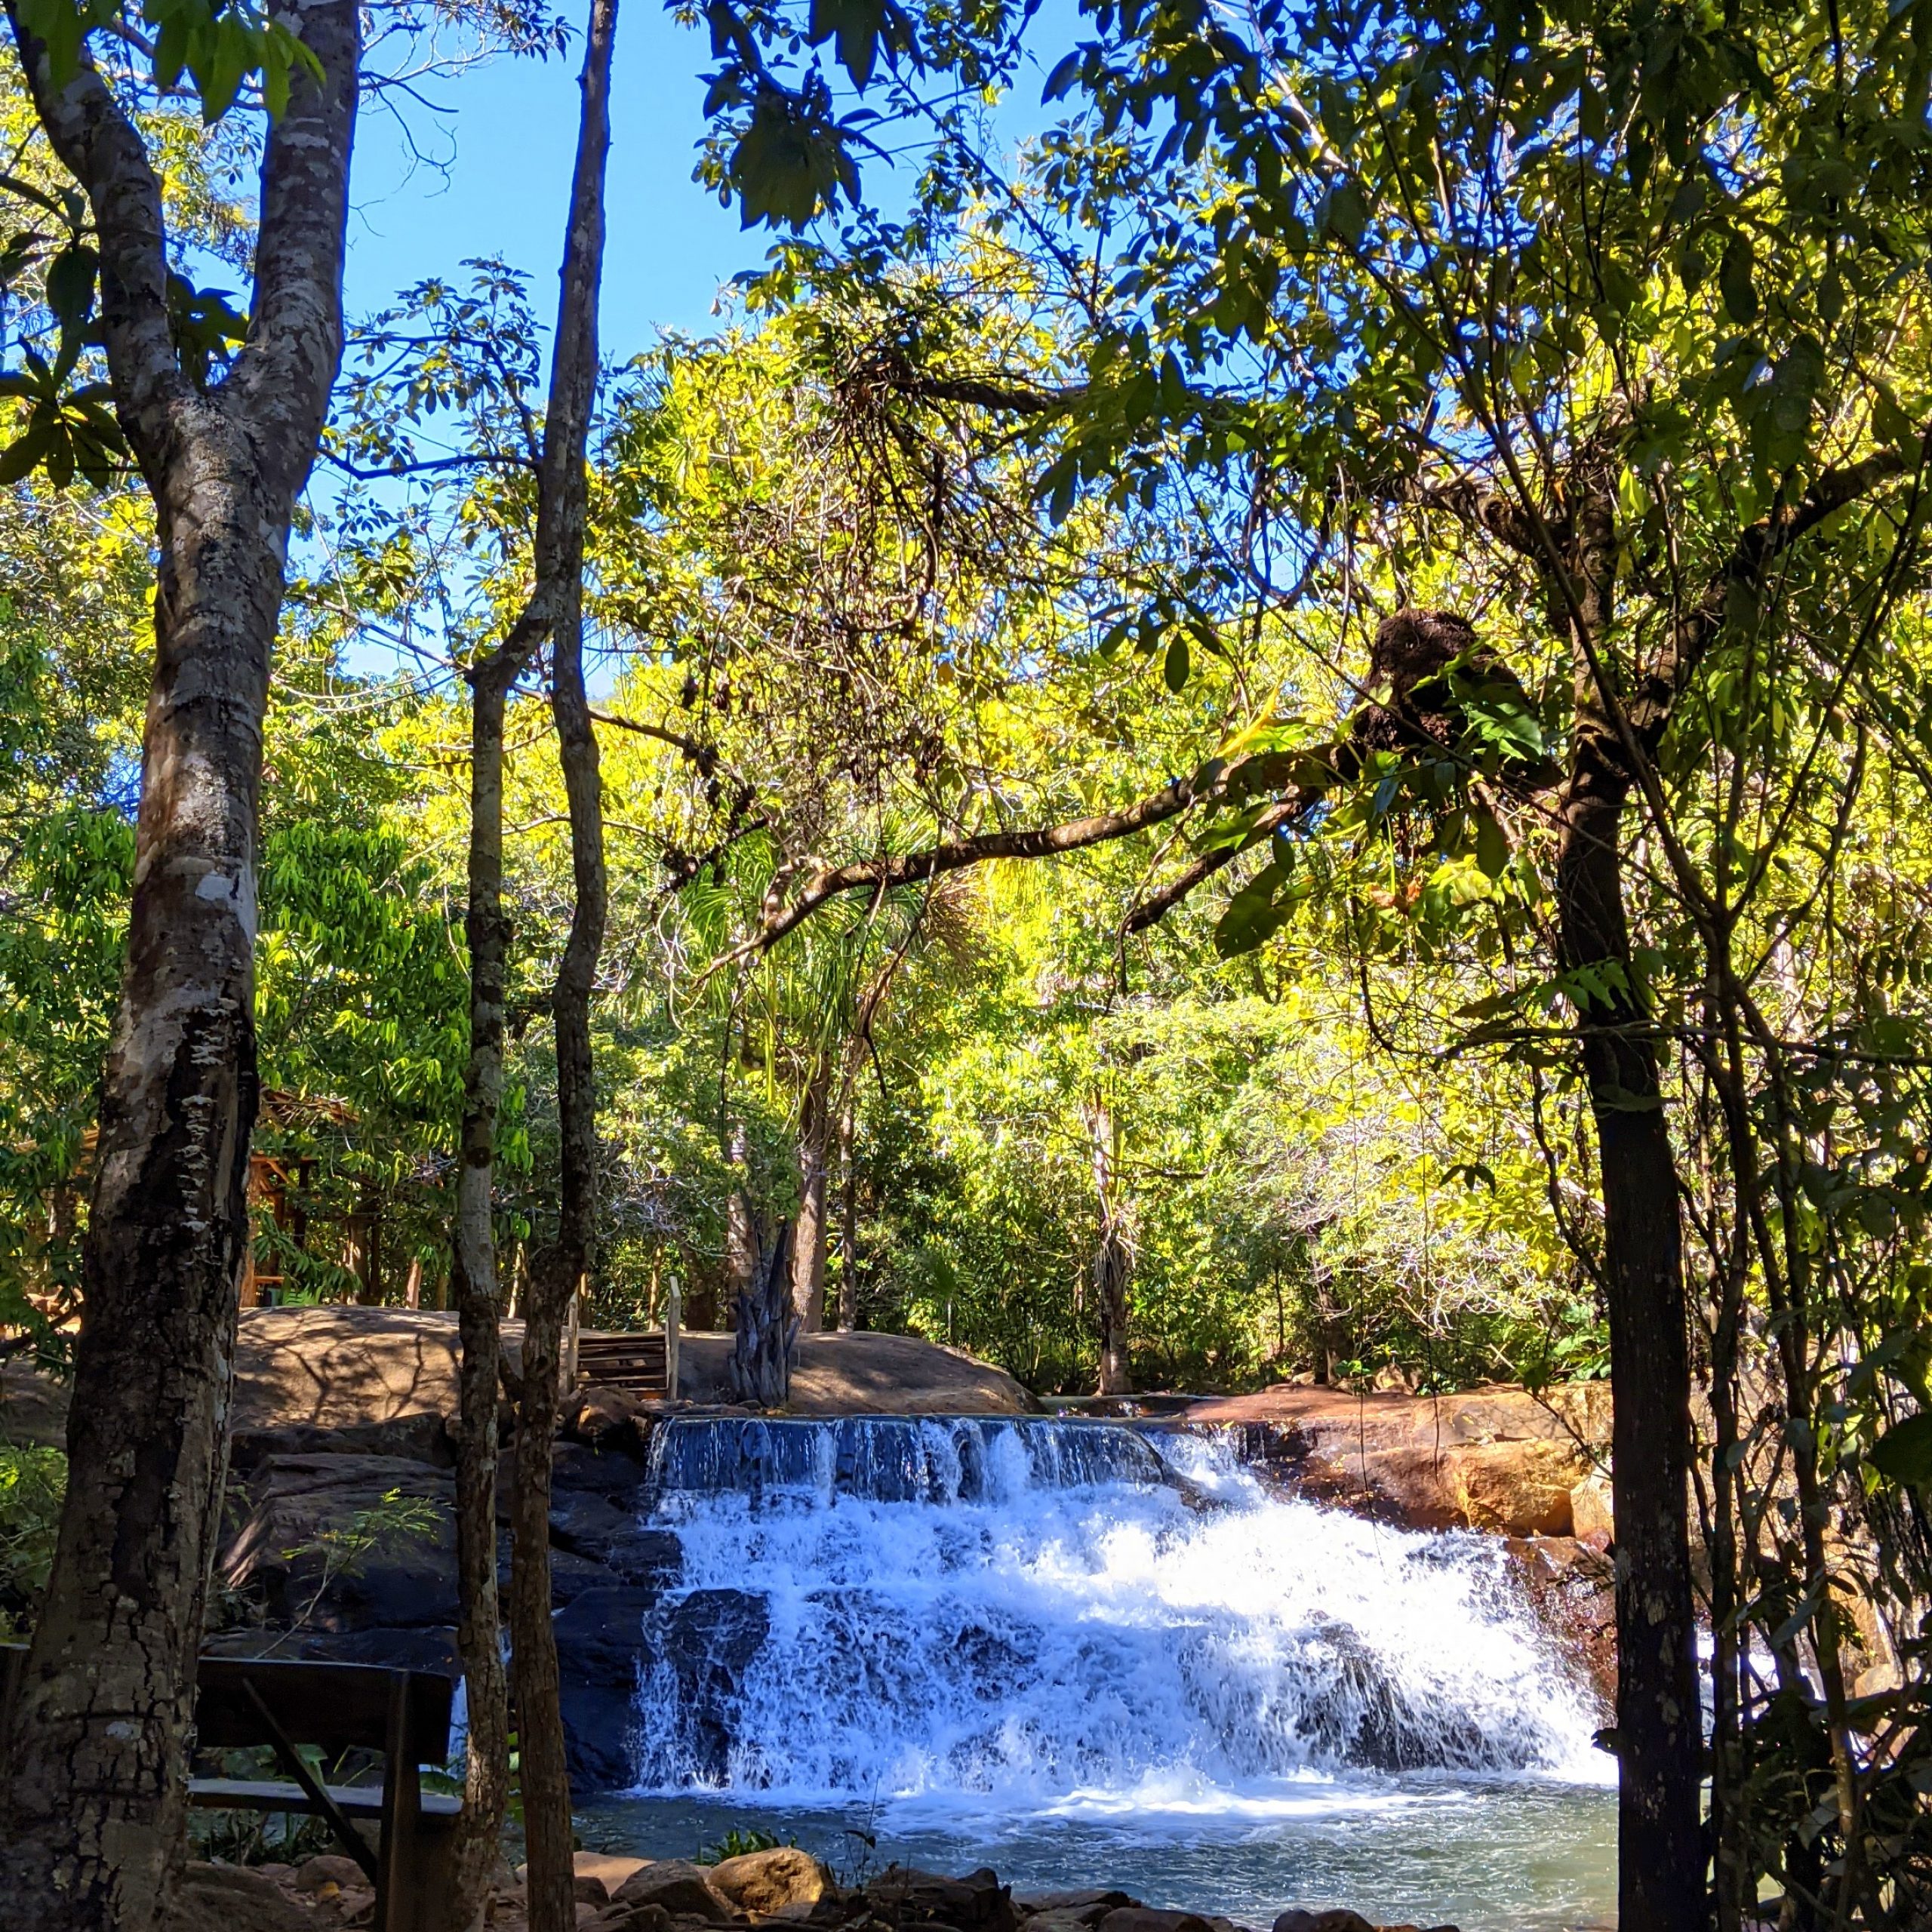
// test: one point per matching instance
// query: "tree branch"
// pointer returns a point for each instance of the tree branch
(282, 377)
(882, 875)
(1649, 711)
(1157, 905)
(704, 756)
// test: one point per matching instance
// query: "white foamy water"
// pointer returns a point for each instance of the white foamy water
(1077, 1621)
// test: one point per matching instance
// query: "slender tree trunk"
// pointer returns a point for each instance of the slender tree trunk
(473, 1282)
(848, 1245)
(766, 1329)
(741, 1247)
(93, 1797)
(557, 1271)
(1110, 1255)
(1661, 1858)
(815, 1128)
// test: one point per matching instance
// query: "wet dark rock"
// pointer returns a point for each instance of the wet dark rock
(707, 1641)
(600, 1640)
(904, 1898)
(575, 1466)
(1361, 1718)
(1087, 1908)
(591, 1526)
(1145, 1918)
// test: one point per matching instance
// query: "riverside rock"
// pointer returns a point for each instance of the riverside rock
(1145, 1918)
(904, 1897)
(780, 1882)
(677, 1887)
(1498, 1459)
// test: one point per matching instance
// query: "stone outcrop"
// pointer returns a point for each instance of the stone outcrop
(345, 1367)
(1498, 1459)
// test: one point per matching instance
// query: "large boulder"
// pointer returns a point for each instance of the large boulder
(1498, 1459)
(905, 1898)
(677, 1887)
(600, 1643)
(338, 1542)
(844, 1373)
(782, 1882)
(592, 1527)
(236, 1899)
(614, 1475)
(1146, 1918)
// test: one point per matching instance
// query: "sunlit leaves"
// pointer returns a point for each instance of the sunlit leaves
(219, 44)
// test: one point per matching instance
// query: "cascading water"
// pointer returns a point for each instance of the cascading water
(974, 1625)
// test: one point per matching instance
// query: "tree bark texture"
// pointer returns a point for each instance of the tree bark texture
(93, 1801)
(815, 1128)
(473, 1283)
(557, 1270)
(767, 1329)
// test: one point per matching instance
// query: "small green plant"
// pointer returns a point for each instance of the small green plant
(736, 1844)
(344, 1549)
(32, 1483)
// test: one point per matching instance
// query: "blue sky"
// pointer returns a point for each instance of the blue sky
(508, 146)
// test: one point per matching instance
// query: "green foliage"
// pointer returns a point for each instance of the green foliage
(33, 1482)
(736, 1844)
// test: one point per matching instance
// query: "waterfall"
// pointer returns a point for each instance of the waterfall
(1084, 1615)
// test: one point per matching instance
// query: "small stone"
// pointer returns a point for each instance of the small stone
(619, 1917)
(1340, 1920)
(327, 1867)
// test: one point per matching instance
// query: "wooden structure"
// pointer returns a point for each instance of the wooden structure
(405, 1714)
(642, 1363)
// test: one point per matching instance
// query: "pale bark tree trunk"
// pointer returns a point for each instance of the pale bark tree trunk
(93, 1806)
(815, 1126)
(556, 1272)
(741, 1252)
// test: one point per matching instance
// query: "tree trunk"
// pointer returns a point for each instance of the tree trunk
(815, 1126)
(558, 1270)
(1660, 1851)
(767, 1330)
(364, 1255)
(741, 1242)
(1110, 1255)
(848, 1245)
(473, 1283)
(93, 1807)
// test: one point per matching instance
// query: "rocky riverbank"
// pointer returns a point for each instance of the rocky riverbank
(781, 1887)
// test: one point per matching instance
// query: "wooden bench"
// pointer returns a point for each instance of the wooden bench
(404, 1714)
